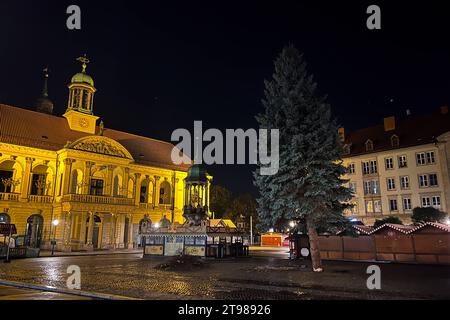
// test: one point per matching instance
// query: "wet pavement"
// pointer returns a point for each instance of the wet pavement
(13, 293)
(257, 277)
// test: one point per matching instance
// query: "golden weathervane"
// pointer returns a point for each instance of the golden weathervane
(84, 60)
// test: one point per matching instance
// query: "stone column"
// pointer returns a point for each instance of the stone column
(109, 180)
(87, 177)
(67, 175)
(67, 232)
(26, 178)
(156, 191)
(137, 188)
(112, 232)
(124, 186)
(89, 244)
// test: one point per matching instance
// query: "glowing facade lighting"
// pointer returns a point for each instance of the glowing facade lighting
(55, 222)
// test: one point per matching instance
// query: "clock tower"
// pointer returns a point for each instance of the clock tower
(79, 113)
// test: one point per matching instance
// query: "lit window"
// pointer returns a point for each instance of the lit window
(369, 206)
(366, 167)
(377, 206)
(389, 163)
(426, 202)
(373, 166)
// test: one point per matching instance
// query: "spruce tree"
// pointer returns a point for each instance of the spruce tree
(308, 185)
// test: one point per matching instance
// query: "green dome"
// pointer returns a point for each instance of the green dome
(197, 173)
(82, 77)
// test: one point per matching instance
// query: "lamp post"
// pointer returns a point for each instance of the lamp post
(55, 223)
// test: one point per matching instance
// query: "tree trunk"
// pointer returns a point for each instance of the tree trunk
(314, 247)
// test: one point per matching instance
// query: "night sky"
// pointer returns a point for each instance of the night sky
(160, 65)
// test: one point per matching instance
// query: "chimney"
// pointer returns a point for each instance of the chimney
(444, 110)
(341, 132)
(389, 123)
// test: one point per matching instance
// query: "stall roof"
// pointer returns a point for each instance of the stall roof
(397, 227)
(440, 226)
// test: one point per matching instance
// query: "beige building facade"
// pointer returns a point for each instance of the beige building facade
(398, 166)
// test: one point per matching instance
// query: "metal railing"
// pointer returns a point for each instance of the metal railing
(87, 198)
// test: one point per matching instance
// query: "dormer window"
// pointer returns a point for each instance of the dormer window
(346, 149)
(369, 145)
(395, 141)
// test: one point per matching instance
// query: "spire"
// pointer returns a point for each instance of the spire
(84, 61)
(43, 103)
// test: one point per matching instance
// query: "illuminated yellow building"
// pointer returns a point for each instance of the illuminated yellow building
(399, 165)
(98, 183)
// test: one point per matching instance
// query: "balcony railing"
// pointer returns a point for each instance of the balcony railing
(9, 196)
(87, 198)
(146, 205)
(40, 199)
(165, 206)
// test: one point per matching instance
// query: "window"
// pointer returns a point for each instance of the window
(404, 182)
(389, 163)
(395, 142)
(428, 180)
(4, 218)
(371, 187)
(391, 184)
(96, 187)
(421, 159)
(407, 204)
(365, 166)
(377, 206)
(430, 157)
(369, 206)
(424, 158)
(433, 180)
(355, 208)
(402, 162)
(370, 167)
(373, 166)
(393, 205)
(423, 180)
(426, 202)
(352, 186)
(436, 202)
(351, 168)
(6, 180)
(38, 184)
(369, 145)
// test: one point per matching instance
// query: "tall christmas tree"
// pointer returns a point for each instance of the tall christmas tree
(308, 185)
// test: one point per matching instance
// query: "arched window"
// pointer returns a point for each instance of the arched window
(395, 141)
(164, 193)
(116, 187)
(33, 236)
(4, 218)
(369, 145)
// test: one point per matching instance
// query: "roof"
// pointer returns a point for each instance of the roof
(411, 131)
(439, 226)
(221, 223)
(44, 131)
(366, 230)
(397, 227)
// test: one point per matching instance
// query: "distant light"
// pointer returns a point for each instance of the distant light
(448, 222)
(55, 222)
(354, 220)
(271, 230)
(156, 225)
(292, 224)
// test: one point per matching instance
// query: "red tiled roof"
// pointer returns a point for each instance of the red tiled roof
(412, 131)
(44, 131)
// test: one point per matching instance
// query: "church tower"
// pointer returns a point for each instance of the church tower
(43, 103)
(79, 113)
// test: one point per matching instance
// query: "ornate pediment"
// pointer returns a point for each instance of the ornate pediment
(101, 145)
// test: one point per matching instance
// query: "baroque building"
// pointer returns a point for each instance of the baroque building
(84, 185)
(399, 165)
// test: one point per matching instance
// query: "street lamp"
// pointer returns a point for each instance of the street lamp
(55, 223)
(292, 224)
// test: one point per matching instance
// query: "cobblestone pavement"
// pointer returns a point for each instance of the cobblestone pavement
(13, 293)
(262, 277)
